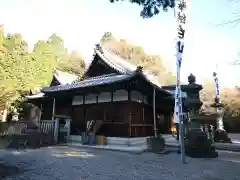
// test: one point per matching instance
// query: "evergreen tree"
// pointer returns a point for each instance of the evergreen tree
(151, 7)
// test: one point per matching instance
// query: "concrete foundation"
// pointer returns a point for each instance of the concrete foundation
(116, 141)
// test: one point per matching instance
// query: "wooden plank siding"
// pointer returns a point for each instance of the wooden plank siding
(120, 119)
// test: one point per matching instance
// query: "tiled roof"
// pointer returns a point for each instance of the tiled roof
(90, 82)
(126, 69)
(36, 96)
(108, 58)
(118, 61)
(121, 65)
(64, 77)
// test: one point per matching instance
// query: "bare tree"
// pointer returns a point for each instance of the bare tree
(235, 20)
(236, 61)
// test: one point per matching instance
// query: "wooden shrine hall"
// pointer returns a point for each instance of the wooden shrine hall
(125, 99)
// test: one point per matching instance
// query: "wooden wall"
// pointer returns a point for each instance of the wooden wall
(121, 119)
(142, 120)
(114, 115)
(46, 106)
(63, 107)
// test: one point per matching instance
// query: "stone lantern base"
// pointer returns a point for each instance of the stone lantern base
(198, 145)
(220, 134)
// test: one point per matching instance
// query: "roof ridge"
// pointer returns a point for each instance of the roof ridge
(123, 60)
(88, 83)
(104, 75)
(96, 77)
(65, 72)
(120, 64)
(146, 73)
(101, 51)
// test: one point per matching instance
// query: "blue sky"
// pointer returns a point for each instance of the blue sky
(82, 22)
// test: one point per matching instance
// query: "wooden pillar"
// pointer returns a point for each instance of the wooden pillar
(41, 112)
(171, 122)
(143, 114)
(53, 109)
(154, 112)
(56, 130)
(130, 114)
(130, 123)
(68, 126)
(143, 118)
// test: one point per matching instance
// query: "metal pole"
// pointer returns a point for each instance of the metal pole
(181, 19)
(154, 112)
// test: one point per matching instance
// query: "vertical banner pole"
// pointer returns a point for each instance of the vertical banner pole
(178, 116)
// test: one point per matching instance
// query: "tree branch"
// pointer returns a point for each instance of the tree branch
(151, 7)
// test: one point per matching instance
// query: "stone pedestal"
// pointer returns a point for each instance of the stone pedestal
(199, 146)
(155, 144)
(220, 134)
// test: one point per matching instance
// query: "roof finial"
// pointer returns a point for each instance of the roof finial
(139, 69)
(99, 48)
(191, 79)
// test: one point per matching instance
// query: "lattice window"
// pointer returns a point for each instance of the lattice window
(77, 100)
(104, 97)
(136, 96)
(120, 95)
(91, 99)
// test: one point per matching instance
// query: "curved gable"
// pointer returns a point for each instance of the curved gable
(99, 67)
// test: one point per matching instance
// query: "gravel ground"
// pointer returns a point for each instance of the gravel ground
(65, 163)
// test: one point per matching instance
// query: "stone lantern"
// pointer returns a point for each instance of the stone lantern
(192, 102)
(220, 134)
(197, 144)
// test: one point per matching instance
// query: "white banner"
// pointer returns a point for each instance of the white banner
(215, 77)
(181, 19)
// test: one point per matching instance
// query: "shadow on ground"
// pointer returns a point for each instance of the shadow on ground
(77, 163)
(7, 170)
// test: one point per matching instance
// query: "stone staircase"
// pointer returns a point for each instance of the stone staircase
(171, 143)
(169, 139)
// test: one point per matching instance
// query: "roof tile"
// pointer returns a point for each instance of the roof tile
(90, 82)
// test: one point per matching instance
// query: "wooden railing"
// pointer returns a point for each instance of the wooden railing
(14, 135)
(47, 126)
(10, 128)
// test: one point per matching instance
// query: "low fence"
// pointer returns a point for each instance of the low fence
(14, 133)
(47, 126)
(9, 128)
